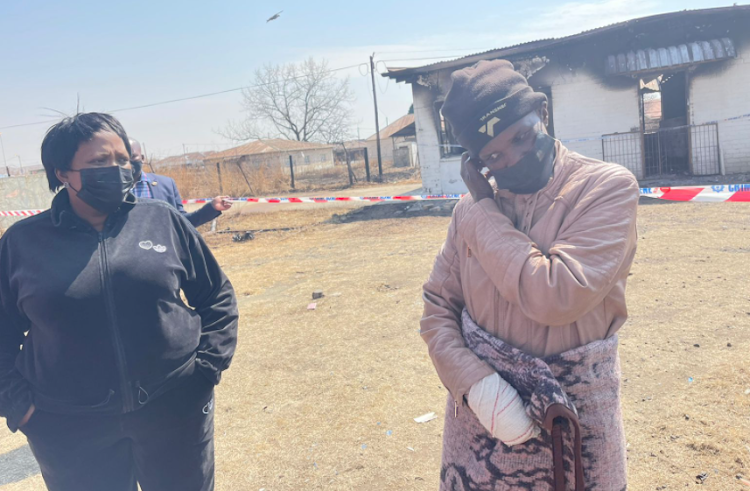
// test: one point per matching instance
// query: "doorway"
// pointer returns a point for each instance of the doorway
(666, 136)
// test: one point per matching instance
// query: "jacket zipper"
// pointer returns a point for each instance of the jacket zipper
(127, 397)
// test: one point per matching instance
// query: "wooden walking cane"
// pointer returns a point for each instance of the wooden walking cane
(552, 423)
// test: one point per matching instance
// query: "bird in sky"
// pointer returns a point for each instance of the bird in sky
(275, 16)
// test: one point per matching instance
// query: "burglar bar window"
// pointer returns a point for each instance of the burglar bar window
(448, 145)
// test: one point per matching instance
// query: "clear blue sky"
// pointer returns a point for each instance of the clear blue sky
(120, 54)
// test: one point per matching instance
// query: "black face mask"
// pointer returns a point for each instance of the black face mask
(105, 188)
(532, 172)
(137, 166)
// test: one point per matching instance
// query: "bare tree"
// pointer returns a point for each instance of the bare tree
(303, 102)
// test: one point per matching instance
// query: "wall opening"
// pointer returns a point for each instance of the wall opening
(666, 139)
(449, 146)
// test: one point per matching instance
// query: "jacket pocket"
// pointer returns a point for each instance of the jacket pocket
(153, 388)
(53, 405)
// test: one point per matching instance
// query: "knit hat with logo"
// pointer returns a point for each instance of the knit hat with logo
(484, 100)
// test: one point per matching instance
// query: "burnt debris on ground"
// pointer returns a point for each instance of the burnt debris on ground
(409, 209)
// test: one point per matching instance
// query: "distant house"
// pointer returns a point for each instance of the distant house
(193, 158)
(397, 143)
(661, 95)
(276, 152)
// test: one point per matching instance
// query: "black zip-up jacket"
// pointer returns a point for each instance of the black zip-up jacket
(107, 329)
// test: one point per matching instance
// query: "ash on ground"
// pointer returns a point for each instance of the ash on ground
(383, 211)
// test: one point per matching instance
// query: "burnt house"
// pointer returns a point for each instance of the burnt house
(664, 95)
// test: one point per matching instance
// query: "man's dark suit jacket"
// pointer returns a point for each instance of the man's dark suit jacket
(165, 189)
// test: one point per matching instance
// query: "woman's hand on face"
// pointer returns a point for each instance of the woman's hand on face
(479, 186)
(27, 417)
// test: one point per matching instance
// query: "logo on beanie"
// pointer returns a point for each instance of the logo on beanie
(493, 111)
(489, 128)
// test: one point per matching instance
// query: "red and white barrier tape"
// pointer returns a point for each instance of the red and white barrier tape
(19, 213)
(331, 199)
(704, 194)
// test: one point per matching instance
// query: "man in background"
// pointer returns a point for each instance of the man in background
(155, 186)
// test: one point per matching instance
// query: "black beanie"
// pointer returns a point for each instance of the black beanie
(484, 100)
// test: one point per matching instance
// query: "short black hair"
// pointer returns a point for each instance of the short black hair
(63, 139)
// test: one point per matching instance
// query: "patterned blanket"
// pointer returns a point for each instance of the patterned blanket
(574, 397)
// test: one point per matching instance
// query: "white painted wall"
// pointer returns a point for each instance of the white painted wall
(428, 140)
(586, 107)
(719, 91)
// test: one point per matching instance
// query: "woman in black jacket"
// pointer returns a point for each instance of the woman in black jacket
(103, 367)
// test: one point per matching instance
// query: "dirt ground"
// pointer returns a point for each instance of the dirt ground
(694, 180)
(325, 398)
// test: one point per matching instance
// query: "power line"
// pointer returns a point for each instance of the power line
(387, 80)
(171, 101)
(28, 124)
(210, 94)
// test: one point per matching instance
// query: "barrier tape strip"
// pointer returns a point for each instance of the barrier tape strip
(702, 194)
(372, 199)
(19, 213)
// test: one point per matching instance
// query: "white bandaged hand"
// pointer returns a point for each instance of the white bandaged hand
(500, 409)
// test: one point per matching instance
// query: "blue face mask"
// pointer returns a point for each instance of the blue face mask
(533, 172)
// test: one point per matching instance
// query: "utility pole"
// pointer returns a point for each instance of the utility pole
(377, 125)
(20, 164)
(5, 162)
(184, 154)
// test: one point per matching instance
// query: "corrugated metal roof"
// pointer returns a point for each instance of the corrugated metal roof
(394, 127)
(412, 73)
(469, 59)
(645, 60)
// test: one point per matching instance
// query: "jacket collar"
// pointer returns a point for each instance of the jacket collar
(62, 213)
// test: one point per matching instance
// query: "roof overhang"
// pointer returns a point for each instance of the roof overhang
(547, 46)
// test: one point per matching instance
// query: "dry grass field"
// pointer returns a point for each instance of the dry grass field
(325, 398)
(203, 181)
